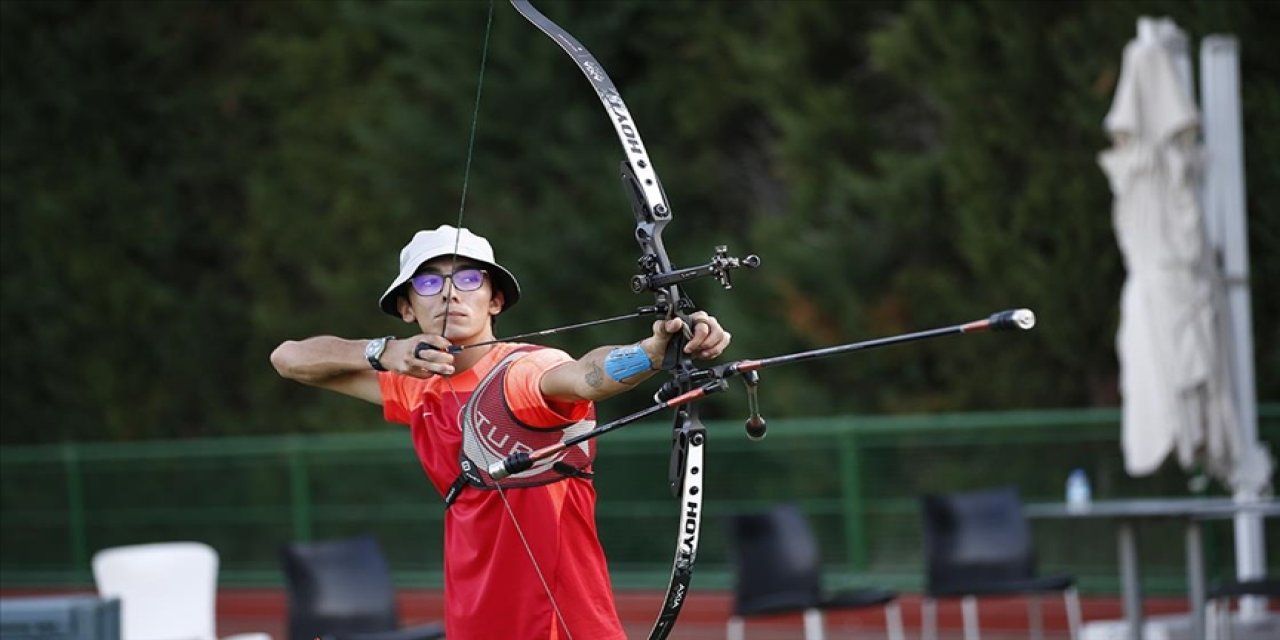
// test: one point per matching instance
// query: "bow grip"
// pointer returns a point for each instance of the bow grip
(675, 347)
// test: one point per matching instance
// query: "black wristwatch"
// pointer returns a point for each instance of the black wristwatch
(373, 352)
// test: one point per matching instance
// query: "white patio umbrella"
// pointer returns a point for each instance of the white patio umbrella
(1172, 341)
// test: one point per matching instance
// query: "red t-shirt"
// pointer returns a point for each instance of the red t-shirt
(492, 589)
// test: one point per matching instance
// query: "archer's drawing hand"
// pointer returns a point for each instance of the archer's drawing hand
(406, 357)
(708, 339)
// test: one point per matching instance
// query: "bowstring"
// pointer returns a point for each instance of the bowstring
(457, 240)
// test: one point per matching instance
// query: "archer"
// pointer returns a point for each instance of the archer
(470, 401)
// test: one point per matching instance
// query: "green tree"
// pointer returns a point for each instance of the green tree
(185, 185)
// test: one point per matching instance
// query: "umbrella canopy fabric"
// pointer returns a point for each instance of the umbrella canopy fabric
(1175, 380)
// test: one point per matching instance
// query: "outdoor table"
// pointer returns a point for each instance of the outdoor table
(1127, 512)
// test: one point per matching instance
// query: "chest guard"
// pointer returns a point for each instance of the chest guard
(491, 432)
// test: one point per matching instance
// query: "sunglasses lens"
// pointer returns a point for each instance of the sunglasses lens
(468, 279)
(428, 284)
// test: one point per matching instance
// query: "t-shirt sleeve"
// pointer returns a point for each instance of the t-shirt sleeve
(525, 398)
(398, 395)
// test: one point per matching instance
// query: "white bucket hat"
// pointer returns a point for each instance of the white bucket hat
(447, 240)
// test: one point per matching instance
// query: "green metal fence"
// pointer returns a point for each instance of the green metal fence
(858, 477)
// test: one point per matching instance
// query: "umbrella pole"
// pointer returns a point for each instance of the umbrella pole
(1223, 197)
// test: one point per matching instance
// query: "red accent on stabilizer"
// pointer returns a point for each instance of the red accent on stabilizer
(686, 397)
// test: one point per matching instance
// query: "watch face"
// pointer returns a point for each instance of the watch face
(373, 351)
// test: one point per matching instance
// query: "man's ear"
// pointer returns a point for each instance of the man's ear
(496, 303)
(405, 309)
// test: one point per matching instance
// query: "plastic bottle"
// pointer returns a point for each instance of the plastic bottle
(1078, 492)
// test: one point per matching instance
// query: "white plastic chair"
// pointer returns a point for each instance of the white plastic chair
(167, 590)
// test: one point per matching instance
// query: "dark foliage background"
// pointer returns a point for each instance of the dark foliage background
(183, 185)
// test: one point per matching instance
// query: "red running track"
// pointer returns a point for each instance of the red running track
(704, 614)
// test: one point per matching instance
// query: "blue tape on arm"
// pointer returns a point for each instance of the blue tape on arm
(624, 362)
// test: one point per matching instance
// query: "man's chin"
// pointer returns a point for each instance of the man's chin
(459, 334)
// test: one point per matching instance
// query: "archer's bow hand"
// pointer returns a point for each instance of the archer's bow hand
(707, 339)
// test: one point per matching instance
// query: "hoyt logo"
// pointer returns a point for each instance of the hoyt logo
(684, 557)
(631, 139)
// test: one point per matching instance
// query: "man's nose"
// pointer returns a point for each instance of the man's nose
(449, 290)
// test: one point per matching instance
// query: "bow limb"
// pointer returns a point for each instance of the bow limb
(652, 213)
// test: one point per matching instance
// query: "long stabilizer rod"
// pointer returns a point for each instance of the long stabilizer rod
(713, 380)
(1011, 320)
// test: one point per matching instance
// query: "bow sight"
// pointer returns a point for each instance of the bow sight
(719, 267)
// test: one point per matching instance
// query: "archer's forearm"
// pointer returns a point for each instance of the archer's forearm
(320, 359)
(596, 375)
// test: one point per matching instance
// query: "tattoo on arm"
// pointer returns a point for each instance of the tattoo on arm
(595, 377)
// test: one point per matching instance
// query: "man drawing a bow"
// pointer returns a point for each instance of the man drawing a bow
(522, 558)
